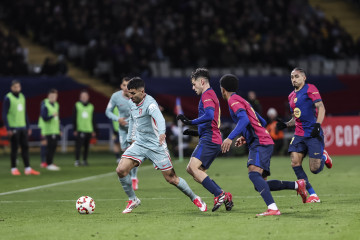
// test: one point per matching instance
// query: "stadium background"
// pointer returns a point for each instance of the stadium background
(72, 45)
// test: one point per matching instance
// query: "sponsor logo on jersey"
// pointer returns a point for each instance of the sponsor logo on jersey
(140, 111)
(295, 100)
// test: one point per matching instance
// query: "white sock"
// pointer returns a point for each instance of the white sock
(296, 185)
(273, 206)
(27, 168)
(13, 169)
(314, 195)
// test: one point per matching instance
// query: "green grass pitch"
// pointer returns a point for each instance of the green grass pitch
(48, 212)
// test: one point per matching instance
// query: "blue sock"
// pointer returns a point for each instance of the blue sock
(277, 185)
(43, 153)
(300, 174)
(127, 186)
(184, 187)
(262, 187)
(322, 163)
(216, 184)
(211, 186)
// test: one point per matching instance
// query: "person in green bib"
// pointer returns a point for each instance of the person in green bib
(17, 125)
(50, 122)
(84, 126)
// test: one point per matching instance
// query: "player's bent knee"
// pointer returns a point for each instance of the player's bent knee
(121, 172)
(315, 170)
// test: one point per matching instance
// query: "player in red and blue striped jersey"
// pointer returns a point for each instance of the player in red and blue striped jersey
(209, 145)
(308, 113)
(251, 126)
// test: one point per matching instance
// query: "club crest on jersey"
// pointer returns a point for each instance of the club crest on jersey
(297, 112)
(140, 111)
(295, 100)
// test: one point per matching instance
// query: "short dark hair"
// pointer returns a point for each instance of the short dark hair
(15, 81)
(229, 82)
(300, 70)
(53, 90)
(200, 72)
(136, 83)
(84, 91)
(126, 79)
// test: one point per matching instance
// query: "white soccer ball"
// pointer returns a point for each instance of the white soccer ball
(85, 205)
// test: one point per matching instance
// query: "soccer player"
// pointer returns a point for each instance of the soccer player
(120, 100)
(308, 113)
(150, 143)
(209, 145)
(250, 125)
(116, 139)
(84, 126)
(17, 126)
(49, 120)
(43, 143)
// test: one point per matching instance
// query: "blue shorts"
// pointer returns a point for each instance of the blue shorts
(307, 145)
(260, 156)
(206, 152)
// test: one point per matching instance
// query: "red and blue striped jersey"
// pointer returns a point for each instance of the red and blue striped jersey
(254, 133)
(302, 105)
(210, 130)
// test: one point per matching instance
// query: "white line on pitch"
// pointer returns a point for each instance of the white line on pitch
(164, 198)
(58, 183)
(67, 182)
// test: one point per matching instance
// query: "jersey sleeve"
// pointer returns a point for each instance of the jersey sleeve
(208, 101)
(109, 109)
(236, 106)
(313, 93)
(158, 118)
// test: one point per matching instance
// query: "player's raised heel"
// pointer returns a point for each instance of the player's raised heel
(200, 204)
(218, 201)
(302, 189)
(328, 161)
(313, 199)
(228, 201)
(131, 205)
(270, 212)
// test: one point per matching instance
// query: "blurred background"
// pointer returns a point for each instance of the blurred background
(72, 45)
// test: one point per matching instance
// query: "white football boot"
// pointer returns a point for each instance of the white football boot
(131, 205)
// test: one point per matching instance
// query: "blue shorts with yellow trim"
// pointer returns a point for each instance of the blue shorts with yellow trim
(206, 152)
(260, 156)
(308, 145)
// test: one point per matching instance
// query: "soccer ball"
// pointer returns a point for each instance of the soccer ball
(85, 205)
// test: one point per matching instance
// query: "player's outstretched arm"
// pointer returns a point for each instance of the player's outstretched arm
(320, 118)
(156, 114)
(191, 132)
(243, 121)
(321, 111)
(183, 119)
(109, 110)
